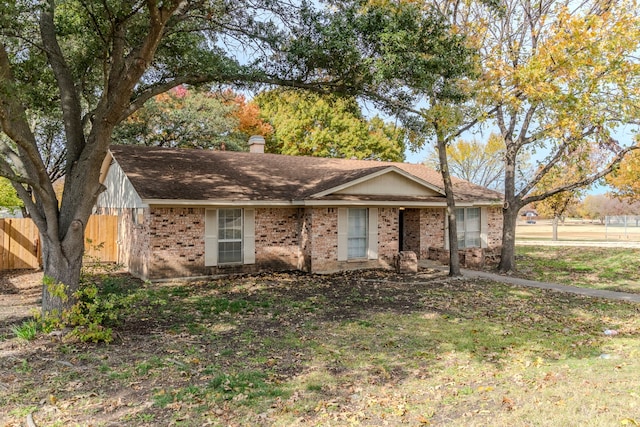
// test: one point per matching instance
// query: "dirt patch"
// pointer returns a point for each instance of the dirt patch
(20, 294)
(232, 339)
(356, 348)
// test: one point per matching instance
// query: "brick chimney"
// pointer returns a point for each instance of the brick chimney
(256, 144)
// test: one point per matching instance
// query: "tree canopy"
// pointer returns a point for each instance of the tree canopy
(89, 65)
(558, 80)
(327, 126)
(625, 179)
(8, 196)
(475, 161)
(193, 119)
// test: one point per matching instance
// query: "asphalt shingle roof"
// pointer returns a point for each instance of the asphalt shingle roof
(190, 174)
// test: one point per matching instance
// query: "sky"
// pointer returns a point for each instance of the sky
(416, 157)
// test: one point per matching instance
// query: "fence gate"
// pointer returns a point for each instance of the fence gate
(20, 245)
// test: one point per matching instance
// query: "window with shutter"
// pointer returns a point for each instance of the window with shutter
(468, 225)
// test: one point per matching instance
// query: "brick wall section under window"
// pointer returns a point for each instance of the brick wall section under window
(176, 239)
(277, 238)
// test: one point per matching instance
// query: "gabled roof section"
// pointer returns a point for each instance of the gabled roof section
(390, 181)
(167, 174)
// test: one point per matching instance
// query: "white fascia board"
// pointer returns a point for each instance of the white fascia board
(485, 203)
(376, 174)
(104, 168)
(347, 203)
(304, 203)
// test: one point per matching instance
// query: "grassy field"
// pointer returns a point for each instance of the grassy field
(363, 348)
(614, 269)
(577, 230)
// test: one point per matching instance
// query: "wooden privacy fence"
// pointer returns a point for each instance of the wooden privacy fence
(20, 245)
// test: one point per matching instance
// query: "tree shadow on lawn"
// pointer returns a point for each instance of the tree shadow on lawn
(249, 341)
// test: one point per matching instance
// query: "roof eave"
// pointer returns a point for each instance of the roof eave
(312, 203)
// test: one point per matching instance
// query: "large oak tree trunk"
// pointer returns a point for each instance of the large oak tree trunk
(508, 252)
(454, 259)
(62, 265)
(509, 210)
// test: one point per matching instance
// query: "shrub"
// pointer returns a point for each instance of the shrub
(27, 330)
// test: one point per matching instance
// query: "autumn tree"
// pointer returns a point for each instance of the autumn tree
(584, 161)
(250, 120)
(187, 118)
(90, 65)
(475, 161)
(557, 80)
(625, 179)
(599, 206)
(309, 124)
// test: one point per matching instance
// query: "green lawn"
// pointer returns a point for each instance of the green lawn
(370, 348)
(615, 269)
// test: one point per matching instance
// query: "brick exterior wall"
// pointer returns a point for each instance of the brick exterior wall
(176, 239)
(477, 257)
(494, 227)
(411, 231)
(159, 243)
(278, 238)
(432, 222)
(388, 236)
(323, 239)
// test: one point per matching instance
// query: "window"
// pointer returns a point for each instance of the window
(229, 236)
(468, 226)
(357, 233)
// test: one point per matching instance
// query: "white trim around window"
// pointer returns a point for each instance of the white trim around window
(229, 236)
(469, 226)
(357, 233)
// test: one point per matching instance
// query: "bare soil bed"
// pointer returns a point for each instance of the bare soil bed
(20, 295)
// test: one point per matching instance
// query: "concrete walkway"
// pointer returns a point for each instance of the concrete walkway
(596, 293)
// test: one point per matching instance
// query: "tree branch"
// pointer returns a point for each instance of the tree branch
(69, 101)
(584, 182)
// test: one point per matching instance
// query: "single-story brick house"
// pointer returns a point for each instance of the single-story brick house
(187, 213)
